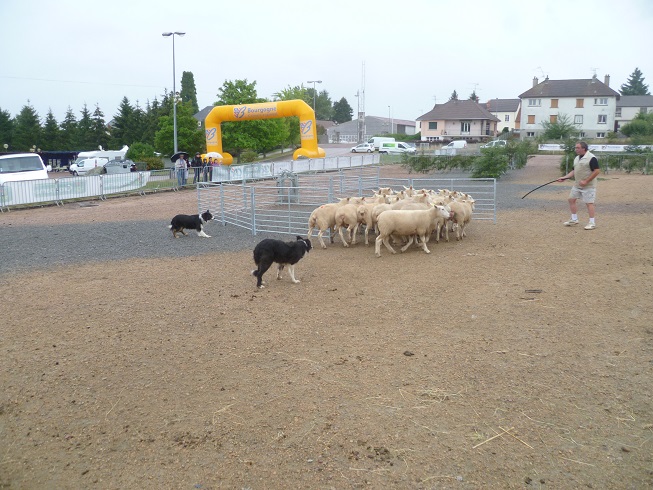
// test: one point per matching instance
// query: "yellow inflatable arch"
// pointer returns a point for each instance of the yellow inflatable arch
(266, 110)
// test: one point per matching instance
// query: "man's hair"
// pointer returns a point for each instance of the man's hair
(583, 145)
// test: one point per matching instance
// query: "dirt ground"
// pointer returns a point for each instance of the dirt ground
(521, 357)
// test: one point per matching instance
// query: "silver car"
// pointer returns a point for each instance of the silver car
(363, 148)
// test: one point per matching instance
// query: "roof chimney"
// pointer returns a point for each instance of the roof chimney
(535, 81)
(607, 80)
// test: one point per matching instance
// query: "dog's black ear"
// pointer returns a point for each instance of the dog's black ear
(299, 238)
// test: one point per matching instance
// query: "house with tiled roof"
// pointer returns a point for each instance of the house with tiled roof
(588, 103)
(507, 111)
(628, 106)
(458, 119)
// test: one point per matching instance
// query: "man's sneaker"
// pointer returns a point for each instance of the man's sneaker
(590, 226)
(571, 222)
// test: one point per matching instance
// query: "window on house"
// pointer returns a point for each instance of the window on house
(617, 112)
(464, 126)
(553, 119)
(534, 102)
(507, 118)
(531, 119)
(580, 103)
(600, 135)
(643, 110)
(530, 134)
(554, 103)
(601, 101)
(603, 119)
(578, 119)
(582, 134)
(433, 125)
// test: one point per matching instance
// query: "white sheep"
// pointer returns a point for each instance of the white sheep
(323, 218)
(408, 223)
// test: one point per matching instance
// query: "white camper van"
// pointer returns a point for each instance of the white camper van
(377, 140)
(22, 166)
(88, 160)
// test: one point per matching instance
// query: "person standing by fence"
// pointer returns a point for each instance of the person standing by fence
(181, 167)
(197, 167)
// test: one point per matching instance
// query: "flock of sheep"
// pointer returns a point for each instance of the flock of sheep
(410, 215)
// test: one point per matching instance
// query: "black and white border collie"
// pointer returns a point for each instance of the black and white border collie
(190, 222)
(269, 251)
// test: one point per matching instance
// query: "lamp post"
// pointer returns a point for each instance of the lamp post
(390, 120)
(174, 92)
(314, 82)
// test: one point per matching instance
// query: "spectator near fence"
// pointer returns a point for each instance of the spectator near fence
(197, 166)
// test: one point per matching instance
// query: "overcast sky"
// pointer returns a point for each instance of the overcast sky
(72, 52)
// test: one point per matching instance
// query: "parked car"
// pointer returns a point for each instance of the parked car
(455, 145)
(396, 147)
(118, 167)
(363, 148)
(495, 143)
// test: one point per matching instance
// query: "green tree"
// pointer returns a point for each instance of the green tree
(99, 129)
(454, 95)
(27, 129)
(323, 106)
(474, 97)
(641, 125)
(122, 131)
(151, 123)
(342, 111)
(51, 137)
(561, 129)
(188, 91)
(189, 137)
(69, 131)
(84, 136)
(635, 85)
(6, 129)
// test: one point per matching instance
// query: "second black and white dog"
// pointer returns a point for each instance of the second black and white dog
(269, 251)
(190, 222)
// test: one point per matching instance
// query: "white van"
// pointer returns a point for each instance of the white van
(396, 147)
(22, 166)
(457, 144)
(82, 166)
(377, 140)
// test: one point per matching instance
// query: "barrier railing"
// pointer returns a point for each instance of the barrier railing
(57, 190)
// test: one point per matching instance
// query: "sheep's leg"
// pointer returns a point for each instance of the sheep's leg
(345, 242)
(386, 242)
(458, 237)
(410, 242)
(352, 233)
(423, 239)
(319, 236)
(377, 246)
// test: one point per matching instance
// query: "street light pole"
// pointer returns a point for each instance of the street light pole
(314, 82)
(174, 92)
(390, 120)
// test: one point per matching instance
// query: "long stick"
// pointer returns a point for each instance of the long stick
(540, 186)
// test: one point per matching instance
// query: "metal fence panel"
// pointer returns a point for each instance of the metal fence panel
(267, 207)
